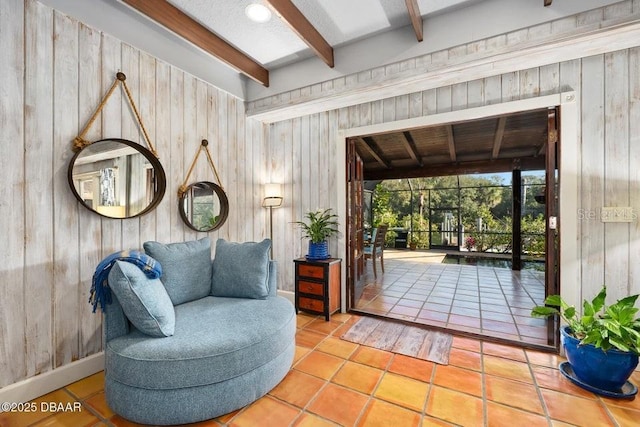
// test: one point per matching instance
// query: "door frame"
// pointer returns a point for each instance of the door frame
(568, 161)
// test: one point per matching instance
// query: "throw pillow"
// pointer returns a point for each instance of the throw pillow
(241, 270)
(144, 301)
(186, 268)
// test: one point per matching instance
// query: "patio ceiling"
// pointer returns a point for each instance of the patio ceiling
(494, 144)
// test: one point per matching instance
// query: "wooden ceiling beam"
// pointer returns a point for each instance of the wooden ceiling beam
(451, 143)
(292, 16)
(416, 18)
(410, 146)
(372, 147)
(547, 3)
(497, 139)
(462, 168)
(172, 18)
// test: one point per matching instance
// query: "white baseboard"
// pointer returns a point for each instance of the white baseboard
(39, 385)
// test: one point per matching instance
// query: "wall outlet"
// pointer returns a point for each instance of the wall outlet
(617, 214)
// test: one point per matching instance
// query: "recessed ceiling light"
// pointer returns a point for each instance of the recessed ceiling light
(257, 12)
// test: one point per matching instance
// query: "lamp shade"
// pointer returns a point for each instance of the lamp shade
(272, 195)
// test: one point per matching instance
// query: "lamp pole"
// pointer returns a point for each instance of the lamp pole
(271, 231)
(272, 199)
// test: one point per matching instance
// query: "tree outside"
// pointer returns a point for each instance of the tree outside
(482, 203)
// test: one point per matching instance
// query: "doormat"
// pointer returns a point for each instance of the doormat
(402, 339)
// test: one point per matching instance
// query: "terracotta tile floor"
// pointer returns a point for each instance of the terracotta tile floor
(493, 302)
(333, 382)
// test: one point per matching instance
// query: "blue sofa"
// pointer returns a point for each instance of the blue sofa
(222, 353)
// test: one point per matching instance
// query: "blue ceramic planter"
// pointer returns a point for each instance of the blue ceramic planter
(318, 250)
(603, 370)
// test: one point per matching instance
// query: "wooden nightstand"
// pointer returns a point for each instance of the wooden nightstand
(318, 285)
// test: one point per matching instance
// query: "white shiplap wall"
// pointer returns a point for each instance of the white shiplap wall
(55, 71)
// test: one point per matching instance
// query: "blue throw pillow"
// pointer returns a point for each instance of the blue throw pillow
(144, 301)
(186, 268)
(241, 270)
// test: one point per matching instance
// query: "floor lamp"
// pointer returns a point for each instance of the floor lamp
(272, 199)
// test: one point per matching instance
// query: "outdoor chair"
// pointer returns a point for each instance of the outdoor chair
(376, 248)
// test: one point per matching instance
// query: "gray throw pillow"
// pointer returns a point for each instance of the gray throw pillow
(186, 268)
(144, 301)
(241, 270)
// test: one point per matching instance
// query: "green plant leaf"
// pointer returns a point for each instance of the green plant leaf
(542, 311)
(586, 320)
(553, 301)
(592, 337)
(587, 309)
(619, 344)
(598, 301)
(626, 315)
(612, 326)
(629, 301)
(632, 332)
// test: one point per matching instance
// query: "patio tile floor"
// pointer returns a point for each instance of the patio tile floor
(493, 302)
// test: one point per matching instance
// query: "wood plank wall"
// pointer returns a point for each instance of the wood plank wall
(55, 72)
(608, 95)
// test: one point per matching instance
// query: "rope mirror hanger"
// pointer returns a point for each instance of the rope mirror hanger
(114, 177)
(79, 142)
(203, 205)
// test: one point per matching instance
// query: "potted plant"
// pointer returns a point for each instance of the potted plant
(413, 244)
(321, 225)
(601, 345)
(469, 243)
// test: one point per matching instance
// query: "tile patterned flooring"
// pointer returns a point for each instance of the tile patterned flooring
(334, 382)
(493, 302)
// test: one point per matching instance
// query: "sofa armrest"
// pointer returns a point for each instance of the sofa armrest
(273, 278)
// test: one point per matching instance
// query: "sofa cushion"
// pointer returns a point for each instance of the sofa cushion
(144, 301)
(241, 270)
(215, 339)
(186, 268)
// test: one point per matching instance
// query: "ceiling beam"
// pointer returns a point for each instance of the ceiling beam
(451, 143)
(292, 16)
(497, 140)
(416, 19)
(372, 147)
(410, 146)
(462, 168)
(186, 27)
(547, 3)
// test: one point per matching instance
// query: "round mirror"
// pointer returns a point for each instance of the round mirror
(204, 206)
(117, 178)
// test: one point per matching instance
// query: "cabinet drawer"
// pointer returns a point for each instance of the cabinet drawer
(310, 288)
(311, 304)
(314, 271)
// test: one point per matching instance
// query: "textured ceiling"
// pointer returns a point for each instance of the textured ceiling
(339, 21)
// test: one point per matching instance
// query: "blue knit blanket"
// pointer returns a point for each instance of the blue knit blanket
(100, 292)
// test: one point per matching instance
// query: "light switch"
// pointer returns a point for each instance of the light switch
(553, 222)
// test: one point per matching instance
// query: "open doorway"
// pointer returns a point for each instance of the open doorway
(513, 143)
